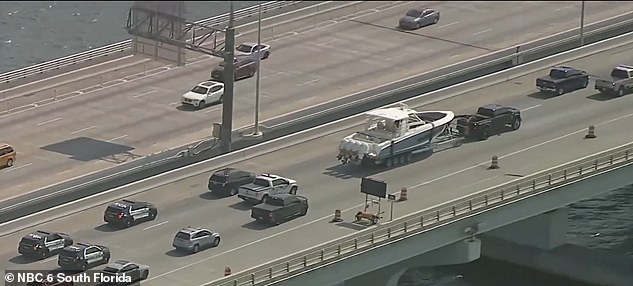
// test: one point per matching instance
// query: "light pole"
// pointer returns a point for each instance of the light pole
(582, 24)
(256, 132)
(229, 78)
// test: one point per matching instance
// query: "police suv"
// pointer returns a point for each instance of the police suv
(126, 213)
(42, 244)
(83, 256)
(266, 185)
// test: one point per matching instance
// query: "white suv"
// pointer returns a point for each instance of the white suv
(266, 185)
(203, 94)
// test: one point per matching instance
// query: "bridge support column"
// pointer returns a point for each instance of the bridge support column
(545, 231)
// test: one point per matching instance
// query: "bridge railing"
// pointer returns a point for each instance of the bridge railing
(125, 46)
(428, 219)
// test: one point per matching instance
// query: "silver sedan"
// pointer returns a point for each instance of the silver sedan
(416, 18)
(248, 49)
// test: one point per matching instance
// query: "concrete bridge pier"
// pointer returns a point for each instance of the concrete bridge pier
(545, 231)
(457, 253)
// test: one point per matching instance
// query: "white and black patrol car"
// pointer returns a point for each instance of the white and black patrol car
(125, 213)
(42, 244)
(83, 256)
(135, 271)
(266, 185)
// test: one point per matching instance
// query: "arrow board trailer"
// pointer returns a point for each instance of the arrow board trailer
(393, 135)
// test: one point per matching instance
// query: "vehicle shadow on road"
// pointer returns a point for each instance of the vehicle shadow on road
(342, 171)
(177, 253)
(542, 95)
(242, 206)
(601, 97)
(106, 228)
(21, 259)
(212, 196)
(255, 225)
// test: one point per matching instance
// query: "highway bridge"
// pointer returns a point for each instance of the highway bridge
(129, 108)
(552, 135)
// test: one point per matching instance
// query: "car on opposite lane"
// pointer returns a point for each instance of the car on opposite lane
(245, 67)
(42, 244)
(249, 49)
(192, 239)
(83, 256)
(417, 18)
(126, 213)
(204, 93)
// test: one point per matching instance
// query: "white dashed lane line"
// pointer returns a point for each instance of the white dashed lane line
(49, 121)
(83, 129)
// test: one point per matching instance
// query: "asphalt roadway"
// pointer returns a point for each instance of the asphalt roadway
(122, 122)
(551, 135)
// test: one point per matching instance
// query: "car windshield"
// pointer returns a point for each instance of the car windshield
(183, 235)
(110, 270)
(200, 90)
(244, 48)
(218, 178)
(261, 182)
(557, 73)
(414, 13)
(30, 241)
(619, 73)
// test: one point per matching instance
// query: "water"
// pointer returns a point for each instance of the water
(604, 222)
(33, 32)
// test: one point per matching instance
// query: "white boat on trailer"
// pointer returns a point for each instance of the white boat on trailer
(393, 135)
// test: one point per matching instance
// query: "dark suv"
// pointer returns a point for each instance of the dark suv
(83, 256)
(245, 67)
(42, 244)
(227, 181)
(126, 213)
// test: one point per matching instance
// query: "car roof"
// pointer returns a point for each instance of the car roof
(191, 230)
(269, 176)
(210, 83)
(282, 196)
(38, 234)
(2, 145)
(249, 44)
(624, 67)
(80, 246)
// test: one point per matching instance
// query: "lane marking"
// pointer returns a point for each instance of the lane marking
(83, 129)
(116, 138)
(448, 25)
(249, 244)
(158, 224)
(481, 32)
(454, 56)
(145, 93)
(49, 121)
(308, 82)
(531, 107)
(14, 168)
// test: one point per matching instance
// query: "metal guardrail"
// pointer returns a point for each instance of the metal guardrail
(126, 45)
(426, 220)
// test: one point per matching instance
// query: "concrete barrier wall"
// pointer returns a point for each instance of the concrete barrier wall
(170, 160)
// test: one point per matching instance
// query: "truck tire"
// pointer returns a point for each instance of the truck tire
(201, 104)
(516, 124)
(621, 91)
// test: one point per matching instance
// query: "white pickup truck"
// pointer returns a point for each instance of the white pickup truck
(265, 185)
(620, 83)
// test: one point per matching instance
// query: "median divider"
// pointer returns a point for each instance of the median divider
(174, 160)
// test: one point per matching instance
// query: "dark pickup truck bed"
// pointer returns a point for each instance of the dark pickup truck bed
(281, 207)
(489, 120)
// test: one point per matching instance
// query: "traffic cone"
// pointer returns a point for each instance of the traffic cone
(494, 164)
(227, 271)
(403, 194)
(591, 132)
(337, 216)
